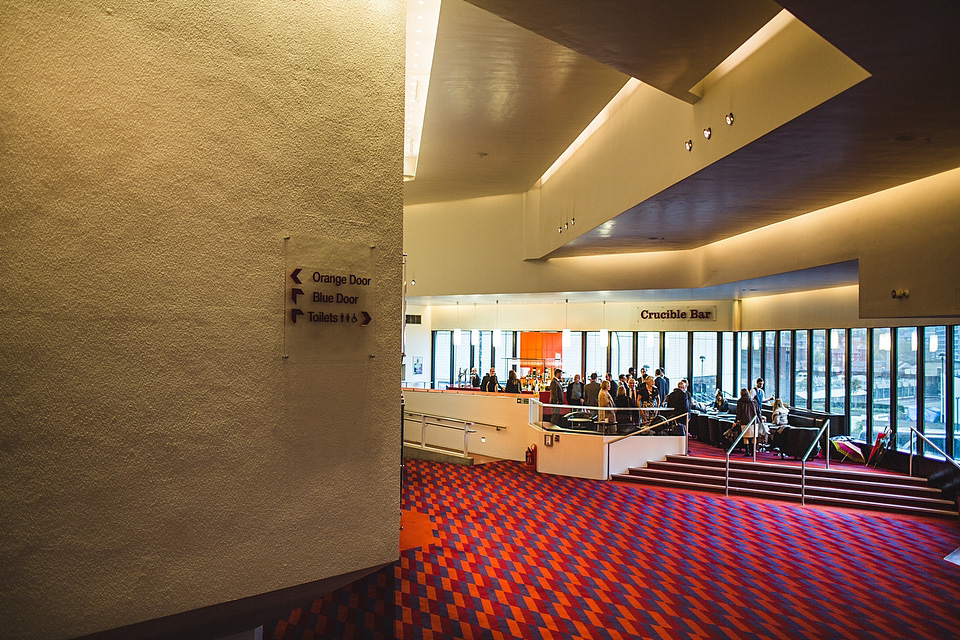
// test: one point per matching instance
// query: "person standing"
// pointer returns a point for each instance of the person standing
(575, 391)
(607, 419)
(759, 390)
(474, 378)
(679, 403)
(489, 383)
(746, 412)
(556, 397)
(662, 385)
(591, 392)
(513, 382)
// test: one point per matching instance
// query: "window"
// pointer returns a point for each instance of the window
(837, 371)
(621, 352)
(676, 356)
(505, 352)
(800, 382)
(648, 351)
(818, 371)
(727, 361)
(952, 373)
(596, 355)
(881, 380)
(461, 358)
(704, 366)
(441, 359)
(743, 358)
(906, 380)
(786, 369)
(756, 358)
(770, 364)
(573, 355)
(485, 349)
(858, 384)
(934, 387)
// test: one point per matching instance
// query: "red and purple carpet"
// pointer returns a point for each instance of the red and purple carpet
(524, 555)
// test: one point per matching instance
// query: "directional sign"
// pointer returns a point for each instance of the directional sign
(330, 300)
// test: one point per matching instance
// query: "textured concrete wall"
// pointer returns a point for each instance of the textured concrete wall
(156, 452)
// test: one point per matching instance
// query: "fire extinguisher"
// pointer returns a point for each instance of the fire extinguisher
(530, 459)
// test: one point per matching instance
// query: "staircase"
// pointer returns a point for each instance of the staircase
(839, 488)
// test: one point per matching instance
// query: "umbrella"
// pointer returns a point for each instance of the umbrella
(848, 449)
(877, 451)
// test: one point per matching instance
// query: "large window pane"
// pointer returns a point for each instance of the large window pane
(838, 371)
(621, 352)
(858, 384)
(743, 358)
(727, 361)
(675, 343)
(800, 382)
(818, 371)
(934, 384)
(954, 372)
(596, 355)
(485, 349)
(881, 380)
(770, 364)
(648, 351)
(786, 369)
(505, 354)
(704, 365)
(756, 362)
(906, 385)
(441, 359)
(573, 355)
(461, 358)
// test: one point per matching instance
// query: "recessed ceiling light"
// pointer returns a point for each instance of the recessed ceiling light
(688, 145)
(728, 118)
(707, 133)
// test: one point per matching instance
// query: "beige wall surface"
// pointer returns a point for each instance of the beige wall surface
(157, 454)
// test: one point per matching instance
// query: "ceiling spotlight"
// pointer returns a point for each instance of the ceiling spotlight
(707, 133)
(688, 145)
(573, 221)
(566, 225)
(729, 118)
(559, 229)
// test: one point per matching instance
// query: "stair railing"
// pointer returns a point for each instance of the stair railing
(932, 444)
(643, 430)
(736, 441)
(803, 460)
(427, 420)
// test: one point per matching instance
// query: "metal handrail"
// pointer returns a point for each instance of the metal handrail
(803, 460)
(534, 402)
(736, 441)
(935, 447)
(417, 414)
(465, 428)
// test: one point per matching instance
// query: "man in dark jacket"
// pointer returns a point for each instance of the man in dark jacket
(662, 385)
(489, 382)
(591, 392)
(556, 397)
(679, 403)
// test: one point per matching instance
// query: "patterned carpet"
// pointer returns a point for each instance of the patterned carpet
(523, 555)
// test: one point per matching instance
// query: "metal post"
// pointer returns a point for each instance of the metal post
(423, 431)
(466, 433)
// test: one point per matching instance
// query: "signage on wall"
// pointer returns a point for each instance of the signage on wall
(678, 313)
(330, 294)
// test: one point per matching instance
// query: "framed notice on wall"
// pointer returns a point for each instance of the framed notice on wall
(417, 365)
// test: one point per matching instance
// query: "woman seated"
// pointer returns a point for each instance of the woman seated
(779, 415)
(720, 403)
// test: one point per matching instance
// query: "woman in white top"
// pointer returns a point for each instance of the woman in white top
(779, 415)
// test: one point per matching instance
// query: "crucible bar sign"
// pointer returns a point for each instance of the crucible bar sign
(330, 293)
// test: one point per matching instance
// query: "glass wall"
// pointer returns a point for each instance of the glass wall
(743, 361)
(786, 369)
(770, 364)
(837, 372)
(858, 384)
(648, 351)
(485, 350)
(756, 357)
(818, 370)
(704, 366)
(727, 360)
(881, 380)
(596, 355)
(800, 381)
(462, 355)
(955, 397)
(573, 355)
(621, 352)
(505, 353)
(441, 359)
(934, 387)
(906, 386)
(675, 343)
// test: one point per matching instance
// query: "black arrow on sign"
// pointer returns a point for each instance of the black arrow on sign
(366, 319)
(294, 276)
(294, 293)
(293, 315)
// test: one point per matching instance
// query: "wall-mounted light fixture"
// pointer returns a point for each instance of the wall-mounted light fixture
(688, 145)
(707, 133)
(728, 119)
